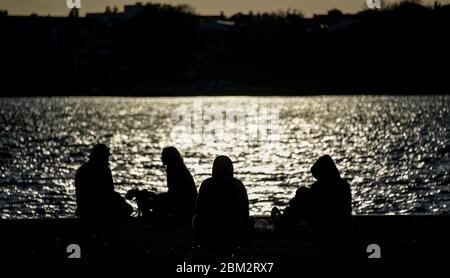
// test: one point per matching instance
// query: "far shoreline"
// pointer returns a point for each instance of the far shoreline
(186, 90)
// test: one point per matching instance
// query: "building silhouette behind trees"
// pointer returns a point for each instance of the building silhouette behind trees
(156, 49)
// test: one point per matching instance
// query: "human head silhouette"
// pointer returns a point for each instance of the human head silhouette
(171, 156)
(222, 167)
(99, 153)
(325, 169)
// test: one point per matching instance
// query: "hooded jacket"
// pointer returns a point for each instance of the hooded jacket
(330, 195)
(222, 205)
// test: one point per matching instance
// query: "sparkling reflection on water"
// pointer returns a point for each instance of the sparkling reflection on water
(394, 150)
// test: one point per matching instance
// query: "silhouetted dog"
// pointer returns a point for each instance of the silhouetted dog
(144, 200)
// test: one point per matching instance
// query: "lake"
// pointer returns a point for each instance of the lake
(393, 150)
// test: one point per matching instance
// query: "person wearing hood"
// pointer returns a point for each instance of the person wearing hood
(331, 202)
(222, 213)
(94, 188)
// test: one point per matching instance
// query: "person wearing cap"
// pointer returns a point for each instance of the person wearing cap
(94, 186)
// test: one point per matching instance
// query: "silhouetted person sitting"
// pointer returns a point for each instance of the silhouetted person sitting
(299, 209)
(181, 196)
(325, 207)
(96, 198)
(331, 203)
(178, 203)
(222, 214)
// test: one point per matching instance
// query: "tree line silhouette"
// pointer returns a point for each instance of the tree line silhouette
(170, 50)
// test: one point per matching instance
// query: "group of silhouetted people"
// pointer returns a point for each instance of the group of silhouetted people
(220, 210)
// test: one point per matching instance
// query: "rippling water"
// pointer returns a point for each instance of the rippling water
(394, 150)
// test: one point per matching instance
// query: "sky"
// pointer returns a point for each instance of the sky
(205, 7)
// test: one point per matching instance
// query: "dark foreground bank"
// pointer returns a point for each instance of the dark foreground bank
(398, 237)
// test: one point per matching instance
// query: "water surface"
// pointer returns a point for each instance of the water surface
(393, 150)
